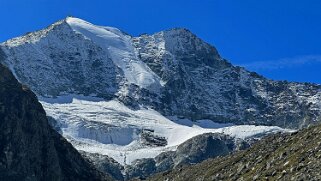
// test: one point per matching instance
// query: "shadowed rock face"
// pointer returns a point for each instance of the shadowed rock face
(29, 148)
(105, 164)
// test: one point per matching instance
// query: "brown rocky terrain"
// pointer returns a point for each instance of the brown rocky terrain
(294, 156)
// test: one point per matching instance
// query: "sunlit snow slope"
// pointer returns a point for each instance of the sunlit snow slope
(121, 51)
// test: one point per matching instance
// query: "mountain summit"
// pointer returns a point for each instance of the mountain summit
(173, 72)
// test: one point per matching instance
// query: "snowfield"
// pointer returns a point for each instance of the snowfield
(121, 51)
(110, 128)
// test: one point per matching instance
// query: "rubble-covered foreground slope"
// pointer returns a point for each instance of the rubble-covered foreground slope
(294, 156)
(29, 148)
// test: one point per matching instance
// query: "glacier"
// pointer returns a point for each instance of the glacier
(110, 128)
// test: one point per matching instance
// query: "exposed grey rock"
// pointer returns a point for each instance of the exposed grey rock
(105, 164)
(204, 146)
(165, 161)
(194, 150)
(148, 138)
(141, 168)
(202, 85)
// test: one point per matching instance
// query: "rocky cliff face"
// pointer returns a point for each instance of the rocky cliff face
(194, 150)
(172, 71)
(202, 85)
(29, 148)
(293, 156)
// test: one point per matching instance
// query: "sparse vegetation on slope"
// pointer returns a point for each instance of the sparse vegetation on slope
(294, 156)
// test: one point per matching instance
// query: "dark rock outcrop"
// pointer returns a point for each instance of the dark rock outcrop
(29, 148)
(148, 138)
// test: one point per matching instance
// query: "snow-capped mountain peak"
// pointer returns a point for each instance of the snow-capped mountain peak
(79, 57)
(106, 91)
(120, 50)
(172, 71)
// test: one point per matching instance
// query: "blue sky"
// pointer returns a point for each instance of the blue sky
(278, 39)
